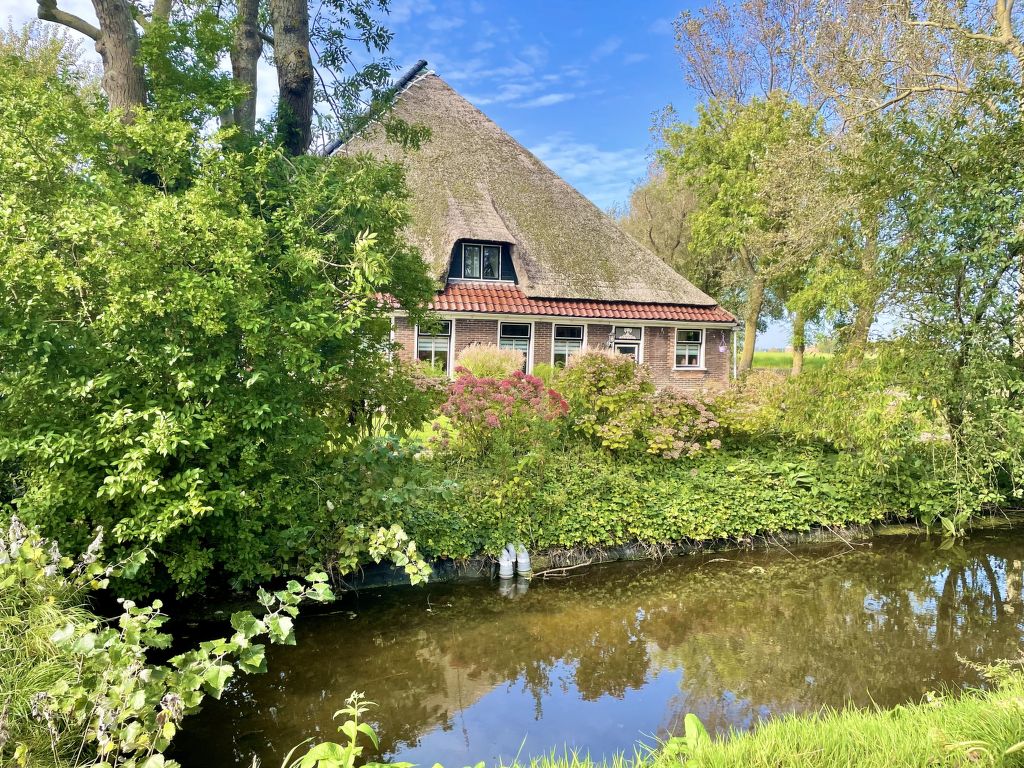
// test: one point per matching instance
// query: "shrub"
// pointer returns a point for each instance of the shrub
(511, 415)
(546, 373)
(489, 361)
(79, 690)
(586, 497)
(615, 403)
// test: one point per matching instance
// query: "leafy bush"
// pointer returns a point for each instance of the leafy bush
(489, 361)
(184, 355)
(615, 403)
(512, 415)
(547, 373)
(586, 497)
(79, 690)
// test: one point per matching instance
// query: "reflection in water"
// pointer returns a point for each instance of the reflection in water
(463, 673)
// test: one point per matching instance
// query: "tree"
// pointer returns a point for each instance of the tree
(658, 216)
(723, 158)
(181, 356)
(953, 235)
(180, 44)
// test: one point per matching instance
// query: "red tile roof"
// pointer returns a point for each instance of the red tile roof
(509, 300)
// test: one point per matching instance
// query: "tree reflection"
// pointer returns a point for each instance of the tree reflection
(747, 633)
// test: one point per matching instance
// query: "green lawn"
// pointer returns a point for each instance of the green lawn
(974, 729)
(784, 360)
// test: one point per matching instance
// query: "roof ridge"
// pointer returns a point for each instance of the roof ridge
(409, 78)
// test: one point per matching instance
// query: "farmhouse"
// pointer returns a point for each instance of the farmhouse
(525, 261)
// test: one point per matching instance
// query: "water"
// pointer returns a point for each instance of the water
(622, 652)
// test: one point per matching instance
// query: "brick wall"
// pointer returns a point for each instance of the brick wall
(405, 337)
(542, 341)
(658, 349)
(471, 331)
(659, 356)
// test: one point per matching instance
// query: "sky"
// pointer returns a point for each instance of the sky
(577, 83)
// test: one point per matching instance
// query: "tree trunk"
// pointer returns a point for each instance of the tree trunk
(124, 80)
(868, 304)
(799, 328)
(755, 301)
(290, 20)
(245, 55)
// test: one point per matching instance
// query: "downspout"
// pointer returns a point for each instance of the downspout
(735, 330)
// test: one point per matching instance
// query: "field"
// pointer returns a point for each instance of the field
(784, 360)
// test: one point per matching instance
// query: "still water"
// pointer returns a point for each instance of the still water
(622, 652)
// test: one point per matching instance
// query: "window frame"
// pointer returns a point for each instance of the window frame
(554, 339)
(700, 349)
(637, 342)
(528, 357)
(480, 262)
(451, 344)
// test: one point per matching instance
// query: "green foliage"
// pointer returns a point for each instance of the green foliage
(784, 360)
(614, 403)
(185, 356)
(725, 159)
(976, 728)
(547, 373)
(332, 754)
(586, 497)
(80, 690)
(489, 361)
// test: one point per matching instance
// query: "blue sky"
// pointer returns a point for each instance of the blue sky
(575, 82)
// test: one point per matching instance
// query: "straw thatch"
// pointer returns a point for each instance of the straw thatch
(472, 180)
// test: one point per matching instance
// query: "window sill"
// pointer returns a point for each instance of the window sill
(700, 369)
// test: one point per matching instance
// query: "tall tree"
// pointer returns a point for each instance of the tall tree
(723, 159)
(181, 43)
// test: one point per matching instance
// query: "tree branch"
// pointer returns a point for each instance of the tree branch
(47, 10)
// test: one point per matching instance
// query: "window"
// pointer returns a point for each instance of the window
(480, 262)
(568, 342)
(688, 347)
(471, 262)
(626, 340)
(434, 348)
(515, 336)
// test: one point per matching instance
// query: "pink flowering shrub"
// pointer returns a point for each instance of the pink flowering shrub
(511, 414)
(615, 403)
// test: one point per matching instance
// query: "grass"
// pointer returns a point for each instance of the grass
(31, 663)
(784, 360)
(975, 729)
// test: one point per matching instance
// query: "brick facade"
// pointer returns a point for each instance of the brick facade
(658, 347)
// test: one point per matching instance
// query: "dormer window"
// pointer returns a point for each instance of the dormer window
(481, 261)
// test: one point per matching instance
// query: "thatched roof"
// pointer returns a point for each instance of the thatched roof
(472, 180)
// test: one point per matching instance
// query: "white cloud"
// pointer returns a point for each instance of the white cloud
(547, 100)
(604, 175)
(506, 93)
(606, 48)
(400, 11)
(661, 27)
(445, 23)
(635, 58)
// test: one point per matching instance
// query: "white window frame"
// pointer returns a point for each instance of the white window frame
(529, 341)
(451, 343)
(639, 342)
(700, 353)
(583, 339)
